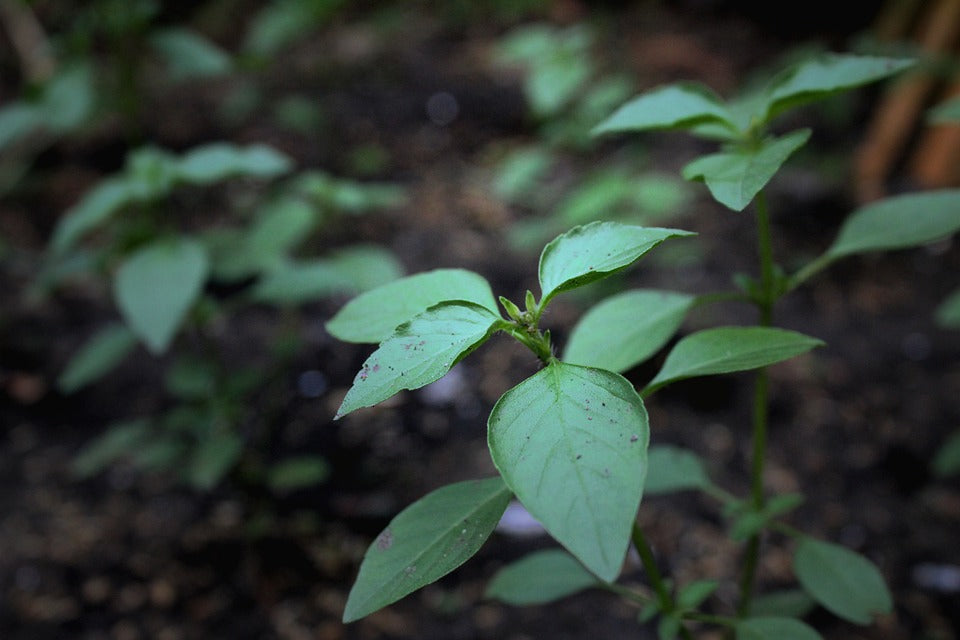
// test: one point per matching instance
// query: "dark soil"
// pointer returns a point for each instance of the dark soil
(125, 555)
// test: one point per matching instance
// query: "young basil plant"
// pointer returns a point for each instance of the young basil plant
(571, 441)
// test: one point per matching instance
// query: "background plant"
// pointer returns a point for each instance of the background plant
(570, 441)
(170, 278)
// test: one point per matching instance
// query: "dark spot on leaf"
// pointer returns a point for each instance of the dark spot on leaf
(376, 368)
(634, 438)
(579, 455)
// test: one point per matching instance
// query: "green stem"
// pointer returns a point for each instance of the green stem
(765, 302)
(650, 567)
(765, 248)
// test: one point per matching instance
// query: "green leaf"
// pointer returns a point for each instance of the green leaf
(98, 356)
(372, 316)
(280, 227)
(300, 282)
(541, 577)
(212, 459)
(69, 99)
(156, 286)
(669, 626)
(899, 222)
(775, 629)
(298, 473)
(219, 160)
(692, 595)
(192, 378)
(118, 441)
(946, 462)
(366, 266)
(845, 583)
(948, 313)
(788, 603)
(517, 174)
(735, 177)
(425, 542)
(947, 112)
(190, 55)
(727, 350)
(94, 208)
(826, 75)
(626, 329)
(571, 442)
(752, 521)
(680, 106)
(591, 252)
(420, 351)
(17, 120)
(671, 469)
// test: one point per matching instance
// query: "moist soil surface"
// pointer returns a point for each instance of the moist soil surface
(854, 425)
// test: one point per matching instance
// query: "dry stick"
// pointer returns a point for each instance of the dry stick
(890, 129)
(28, 39)
(937, 160)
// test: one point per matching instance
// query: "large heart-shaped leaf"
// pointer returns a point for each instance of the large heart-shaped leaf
(425, 542)
(775, 629)
(825, 75)
(679, 106)
(729, 349)
(541, 577)
(899, 222)
(571, 442)
(372, 316)
(420, 351)
(736, 176)
(844, 582)
(594, 251)
(626, 329)
(156, 286)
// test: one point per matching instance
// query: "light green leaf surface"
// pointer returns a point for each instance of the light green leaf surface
(825, 75)
(845, 583)
(899, 222)
(425, 542)
(97, 357)
(571, 442)
(539, 578)
(420, 351)
(680, 106)
(219, 160)
(626, 329)
(156, 286)
(372, 316)
(17, 120)
(727, 350)
(190, 55)
(775, 629)
(279, 228)
(594, 251)
(735, 177)
(671, 469)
